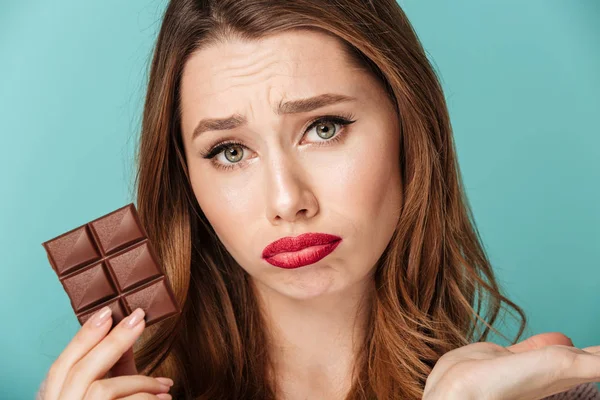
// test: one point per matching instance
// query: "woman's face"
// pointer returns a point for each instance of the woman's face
(286, 178)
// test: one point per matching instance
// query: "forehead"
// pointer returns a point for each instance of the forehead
(223, 78)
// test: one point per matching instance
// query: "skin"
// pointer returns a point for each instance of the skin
(289, 188)
(98, 363)
(286, 184)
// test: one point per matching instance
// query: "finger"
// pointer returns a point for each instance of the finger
(88, 336)
(539, 341)
(575, 366)
(592, 349)
(122, 386)
(96, 363)
(125, 365)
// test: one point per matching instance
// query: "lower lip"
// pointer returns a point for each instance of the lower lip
(307, 256)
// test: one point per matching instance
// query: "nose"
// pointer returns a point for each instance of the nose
(289, 196)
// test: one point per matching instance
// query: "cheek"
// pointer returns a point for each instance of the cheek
(226, 210)
(366, 182)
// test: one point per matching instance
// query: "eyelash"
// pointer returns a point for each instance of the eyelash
(340, 119)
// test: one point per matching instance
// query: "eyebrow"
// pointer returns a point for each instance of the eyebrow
(288, 107)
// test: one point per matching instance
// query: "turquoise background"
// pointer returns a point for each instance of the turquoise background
(522, 82)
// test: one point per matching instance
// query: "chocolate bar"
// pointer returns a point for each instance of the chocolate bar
(111, 262)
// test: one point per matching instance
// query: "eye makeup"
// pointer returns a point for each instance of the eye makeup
(341, 119)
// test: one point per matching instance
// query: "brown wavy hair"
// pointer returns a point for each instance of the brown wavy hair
(430, 282)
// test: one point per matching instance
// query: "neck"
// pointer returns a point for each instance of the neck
(314, 342)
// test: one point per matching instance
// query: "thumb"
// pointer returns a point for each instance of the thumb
(125, 365)
(541, 340)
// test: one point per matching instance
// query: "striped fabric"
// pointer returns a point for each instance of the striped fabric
(586, 391)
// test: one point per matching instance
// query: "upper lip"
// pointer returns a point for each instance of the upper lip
(289, 244)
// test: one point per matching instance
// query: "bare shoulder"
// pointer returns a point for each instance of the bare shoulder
(586, 391)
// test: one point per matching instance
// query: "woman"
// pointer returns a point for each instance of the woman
(298, 177)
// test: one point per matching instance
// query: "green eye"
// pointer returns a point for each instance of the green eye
(328, 132)
(326, 129)
(234, 153)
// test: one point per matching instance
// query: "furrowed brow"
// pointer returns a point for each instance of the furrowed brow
(288, 107)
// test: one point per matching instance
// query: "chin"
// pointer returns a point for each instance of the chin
(308, 282)
(303, 293)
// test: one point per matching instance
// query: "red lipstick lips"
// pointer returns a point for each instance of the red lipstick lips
(294, 252)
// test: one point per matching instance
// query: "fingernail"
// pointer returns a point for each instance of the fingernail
(135, 318)
(164, 396)
(101, 316)
(166, 381)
